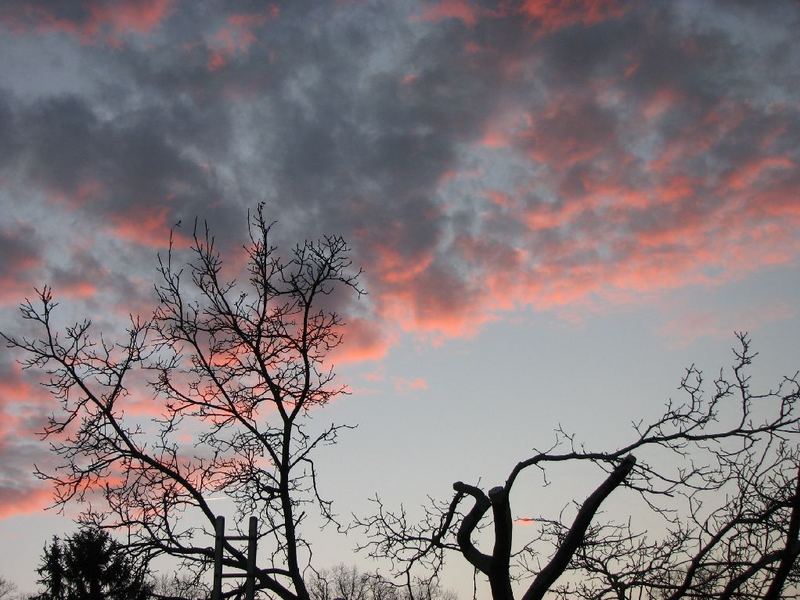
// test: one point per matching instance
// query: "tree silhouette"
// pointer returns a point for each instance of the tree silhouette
(7, 589)
(89, 565)
(51, 571)
(235, 367)
(177, 586)
(718, 475)
(348, 583)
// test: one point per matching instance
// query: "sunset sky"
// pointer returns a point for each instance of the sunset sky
(557, 205)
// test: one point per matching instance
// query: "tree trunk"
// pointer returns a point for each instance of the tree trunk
(499, 578)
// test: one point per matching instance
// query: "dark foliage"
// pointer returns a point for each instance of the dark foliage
(89, 565)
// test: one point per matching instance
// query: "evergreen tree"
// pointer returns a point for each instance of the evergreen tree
(51, 572)
(89, 565)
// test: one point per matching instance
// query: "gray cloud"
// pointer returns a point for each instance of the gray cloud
(352, 119)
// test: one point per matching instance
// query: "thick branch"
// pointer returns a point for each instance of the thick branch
(791, 549)
(499, 576)
(477, 559)
(545, 579)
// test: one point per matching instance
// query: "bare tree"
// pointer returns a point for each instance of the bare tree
(719, 472)
(236, 368)
(7, 589)
(348, 583)
(178, 587)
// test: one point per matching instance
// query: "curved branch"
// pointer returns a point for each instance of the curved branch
(477, 559)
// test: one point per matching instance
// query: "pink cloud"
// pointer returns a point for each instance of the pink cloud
(552, 15)
(721, 322)
(417, 294)
(362, 340)
(142, 404)
(658, 238)
(659, 102)
(494, 138)
(499, 198)
(548, 15)
(615, 226)
(237, 35)
(95, 20)
(16, 501)
(752, 173)
(85, 191)
(569, 131)
(699, 136)
(141, 16)
(549, 216)
(16, 389)
(415, 384)
(462, 10)
(147, 227)
(21, 263)
(500, 129)
(613, 235)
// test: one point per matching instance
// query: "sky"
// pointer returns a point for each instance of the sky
(557, 206)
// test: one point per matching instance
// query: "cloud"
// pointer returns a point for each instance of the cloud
(89, 20)
(23, 409)
(404, 386)
(15, 501)
(694, 324)
(550, 15)
(362, 340)
(20, 250)
(479, 158)
(14, 387)
(237, 35)
(449, 9)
